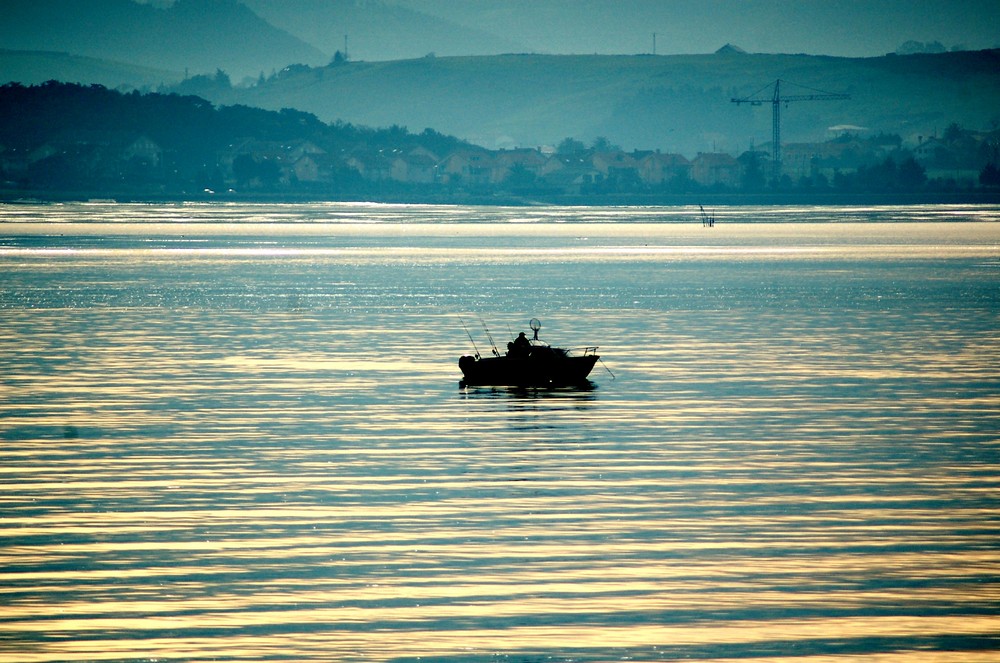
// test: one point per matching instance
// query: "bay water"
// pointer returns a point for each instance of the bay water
(236, 432)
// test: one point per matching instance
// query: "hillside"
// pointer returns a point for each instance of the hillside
(847, 28)
(71, 141)
(60, 137)
(31, 67)
(377, 30)
(194, 35)
(674, 103)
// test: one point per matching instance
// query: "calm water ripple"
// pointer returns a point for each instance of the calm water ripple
(235, 432)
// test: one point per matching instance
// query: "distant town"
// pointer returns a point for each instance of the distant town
(66, 140)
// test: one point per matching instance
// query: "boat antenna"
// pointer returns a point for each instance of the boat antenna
(469, 335)
(535, 325)
(496, 353)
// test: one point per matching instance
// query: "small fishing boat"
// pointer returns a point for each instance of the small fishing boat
(529, 362)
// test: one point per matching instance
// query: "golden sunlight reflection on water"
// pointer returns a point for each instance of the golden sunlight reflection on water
(259, 448)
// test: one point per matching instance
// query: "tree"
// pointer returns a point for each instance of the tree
(842, 181)
(953, 133)
(244, 169)
(911, 175)
(989, 175)
(880, 177)
(602, 144)
(520, 177)
(269, 172)
(222, 80)
(203, 85)
(570, 146)
(753, 178)
(139, 172)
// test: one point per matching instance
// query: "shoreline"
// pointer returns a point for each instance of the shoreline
(978, 197)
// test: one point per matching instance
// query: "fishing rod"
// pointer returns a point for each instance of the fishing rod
(496, 353)
(707, 220)
(469, 335)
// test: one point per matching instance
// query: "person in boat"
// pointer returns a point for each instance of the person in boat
(520, 347)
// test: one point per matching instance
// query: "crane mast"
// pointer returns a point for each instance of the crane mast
(776, 99)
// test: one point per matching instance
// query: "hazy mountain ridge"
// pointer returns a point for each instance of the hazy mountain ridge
(31, 67)
(193, 35)
(674, 103)
(846, 28)
(378, 30)
(70, 137)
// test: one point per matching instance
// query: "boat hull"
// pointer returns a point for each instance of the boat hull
(527, 371)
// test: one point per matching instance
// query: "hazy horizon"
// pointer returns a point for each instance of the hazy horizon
(837, 27)
(845, 28)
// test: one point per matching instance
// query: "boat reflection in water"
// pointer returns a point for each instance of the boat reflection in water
(529, 363)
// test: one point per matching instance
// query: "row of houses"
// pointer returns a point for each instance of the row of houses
(304, 162)
(255, 164)
(576, 172)
(92, 156)
(959, 155)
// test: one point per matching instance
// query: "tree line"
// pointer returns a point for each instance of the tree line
(70, 137)
(190, 131)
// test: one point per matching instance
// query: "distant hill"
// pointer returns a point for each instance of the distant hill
(61, 137)
(377, 30)
(674, 103)
(30, 67)
(847, 28)
(194, 35)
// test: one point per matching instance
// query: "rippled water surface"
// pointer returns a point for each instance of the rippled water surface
(235, 432)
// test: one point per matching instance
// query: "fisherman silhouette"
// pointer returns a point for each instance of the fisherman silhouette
(521, 345)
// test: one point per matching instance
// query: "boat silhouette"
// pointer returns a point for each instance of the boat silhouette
(529, 363)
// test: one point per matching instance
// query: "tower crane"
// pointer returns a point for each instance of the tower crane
(775, 98)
